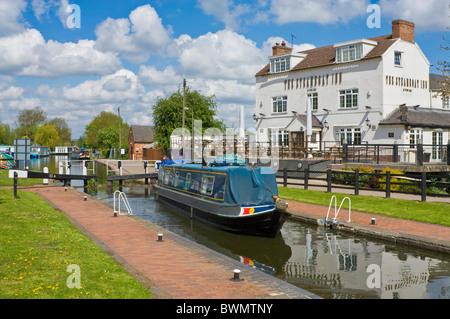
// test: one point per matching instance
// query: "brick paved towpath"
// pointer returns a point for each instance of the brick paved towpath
(418, 234)
(174, 268)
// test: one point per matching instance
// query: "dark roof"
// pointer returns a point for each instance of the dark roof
(436, 81)
(419, 117)
(324, 56)
(302, 118)
(142, 133)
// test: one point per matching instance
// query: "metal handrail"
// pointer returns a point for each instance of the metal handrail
(336, 213)
(124, 198)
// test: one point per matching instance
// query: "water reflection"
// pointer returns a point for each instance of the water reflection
(332, 265)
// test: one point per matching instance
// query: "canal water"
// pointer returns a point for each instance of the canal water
(330, 264)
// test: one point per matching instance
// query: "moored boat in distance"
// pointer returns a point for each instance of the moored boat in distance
(229, 195)
(6, 160)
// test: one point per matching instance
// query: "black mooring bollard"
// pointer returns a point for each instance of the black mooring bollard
(15, 185)
(160, 236)
(236, 272)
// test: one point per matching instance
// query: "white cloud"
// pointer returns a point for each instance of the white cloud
(322, 12)
(10, 14)
(11, 93)
(226, 11)
(43, 7)
(40, 7)
(224, 55)
(28, 54)
(121, 86)
(226, 91)
(136, 37)
(426, 15)
(270, 42)
(149, 75)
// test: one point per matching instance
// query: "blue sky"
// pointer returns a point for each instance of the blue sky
(129, 53)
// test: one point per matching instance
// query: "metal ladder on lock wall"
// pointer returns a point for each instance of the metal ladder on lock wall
(336, 212)
(122, 196)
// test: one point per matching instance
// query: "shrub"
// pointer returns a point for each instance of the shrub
(394, 187)
(366, 180)
(349, 179)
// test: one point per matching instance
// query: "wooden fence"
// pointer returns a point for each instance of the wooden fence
(426, 184)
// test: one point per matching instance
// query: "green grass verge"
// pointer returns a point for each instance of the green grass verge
(6, 181)
(37, 245)
(428, 212)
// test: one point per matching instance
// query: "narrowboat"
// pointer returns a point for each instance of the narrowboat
(234, 197)
(6, 160)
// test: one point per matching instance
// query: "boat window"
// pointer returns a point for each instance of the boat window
(187, 181)
(194, 185)
(177, 179)
(168, 178)
(207, 185)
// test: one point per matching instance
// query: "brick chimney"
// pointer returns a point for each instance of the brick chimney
(281, 49)
(403, 29)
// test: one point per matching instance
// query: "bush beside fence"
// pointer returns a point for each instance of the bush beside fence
(365, 178)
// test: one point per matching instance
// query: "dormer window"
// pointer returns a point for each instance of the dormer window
(280, 64)
(349, 53)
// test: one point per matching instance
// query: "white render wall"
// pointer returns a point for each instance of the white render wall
(410, 82)
(366, 76)
(381, 85)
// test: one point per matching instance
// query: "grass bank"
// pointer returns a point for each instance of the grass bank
(6, 181)
(37, 245)
(428, 212)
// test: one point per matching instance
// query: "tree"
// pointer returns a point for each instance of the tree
(47, 135)
(108, 138)
(100, 122)
(444, 68)
(29, 120)
(63, 129)
(6, 136)
(168, 114)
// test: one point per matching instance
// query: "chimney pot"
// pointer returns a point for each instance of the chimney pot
(281, 49)
(403, 29)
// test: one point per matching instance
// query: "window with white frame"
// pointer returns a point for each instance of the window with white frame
(397, 58)
(314, 101)
(437, 141)
(351, 135)
(279, 104)
(415, 136)
(446, 101)
(349, 53)
(348, 98)
(280, 64)
(279, 138)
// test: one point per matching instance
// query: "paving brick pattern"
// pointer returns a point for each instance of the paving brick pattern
(432, 232)
(179, 268)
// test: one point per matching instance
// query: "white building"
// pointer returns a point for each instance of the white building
(354, 86)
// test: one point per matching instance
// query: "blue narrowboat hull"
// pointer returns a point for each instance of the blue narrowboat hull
(235, 200)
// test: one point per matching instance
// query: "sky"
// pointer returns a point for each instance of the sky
(76, 58)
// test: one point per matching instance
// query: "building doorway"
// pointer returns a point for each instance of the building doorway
(297, 141)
